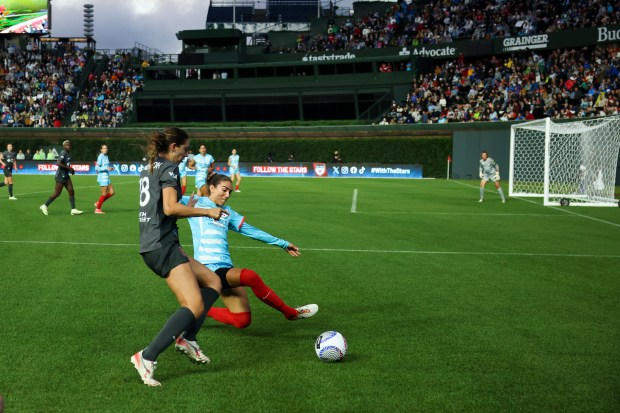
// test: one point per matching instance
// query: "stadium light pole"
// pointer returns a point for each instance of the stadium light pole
(234, 14)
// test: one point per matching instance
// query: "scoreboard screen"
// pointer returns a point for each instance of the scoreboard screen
(24, 16)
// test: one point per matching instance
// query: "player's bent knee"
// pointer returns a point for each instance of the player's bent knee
(242, 320)
(250, 278)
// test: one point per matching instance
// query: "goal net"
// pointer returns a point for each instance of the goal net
(565, 163)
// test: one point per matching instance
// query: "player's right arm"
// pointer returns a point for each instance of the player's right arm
(229, 161)
(61, 164)
(172, 207)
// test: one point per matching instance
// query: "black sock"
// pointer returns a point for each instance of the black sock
(2, 184)
(72, 200)
(49, 201)
(209, 296)
(176, 324)
(10, 190)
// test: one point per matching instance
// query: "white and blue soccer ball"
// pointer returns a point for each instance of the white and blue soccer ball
(331, 346)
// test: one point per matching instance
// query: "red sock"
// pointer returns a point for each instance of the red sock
(237, 188)
(183, 188)
(109, 195)
(102, 199)
(250, 279)
(223, 315)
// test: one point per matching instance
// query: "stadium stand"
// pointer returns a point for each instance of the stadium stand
(291, 10)
(39, 87)
(107, 100)
(221, 11)
(561, 84)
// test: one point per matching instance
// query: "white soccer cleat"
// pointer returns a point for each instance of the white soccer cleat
(43, 209)
(99, 211)
(76, 212)
(503, 201)
(192, 350)
(481, 200)
(145, 369)
(237, 190)
(12, 198)
(306, 311)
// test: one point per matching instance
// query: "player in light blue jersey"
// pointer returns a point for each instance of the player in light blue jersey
(103, 168)
(211, 249)
(203, 163)
(489, 171)
(183, 167)
(233, 164)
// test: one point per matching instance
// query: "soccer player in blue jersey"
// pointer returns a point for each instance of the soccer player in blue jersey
(489, 171)
(63, 180)
(195, 286)
(203, 163)
(233, 164)
(103, 168)
(211, 249)
(183, 174)
(7, 160)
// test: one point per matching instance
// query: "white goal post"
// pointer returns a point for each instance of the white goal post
(565, 163)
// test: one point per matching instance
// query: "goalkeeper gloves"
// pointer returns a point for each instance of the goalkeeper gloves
(497, 176)
(481, 175)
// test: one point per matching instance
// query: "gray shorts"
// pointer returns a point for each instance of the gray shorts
(489, 178)
(163, 260)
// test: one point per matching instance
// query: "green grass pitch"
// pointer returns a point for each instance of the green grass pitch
(448, 305)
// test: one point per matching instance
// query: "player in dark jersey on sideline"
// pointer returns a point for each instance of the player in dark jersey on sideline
(194, 285)
(211, 249)
(8, 165)
(103, 169)
(63, 180)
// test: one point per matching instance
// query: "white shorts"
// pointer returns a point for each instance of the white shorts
(489, 178)
(234, 170)
(103, 179)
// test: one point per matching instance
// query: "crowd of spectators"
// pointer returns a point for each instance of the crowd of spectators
(108, 99)
(441, 21)
(560, 84)
(38, 87)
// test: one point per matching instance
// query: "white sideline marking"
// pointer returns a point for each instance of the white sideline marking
(563, 209)
(354, 204)
(418, 252)
(48, 191)
(466, 213)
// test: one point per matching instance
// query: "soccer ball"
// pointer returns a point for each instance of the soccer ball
(331, 346)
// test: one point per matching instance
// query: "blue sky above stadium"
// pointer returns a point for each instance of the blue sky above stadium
(119, 24)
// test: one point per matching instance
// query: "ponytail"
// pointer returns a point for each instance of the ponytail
(159, 142)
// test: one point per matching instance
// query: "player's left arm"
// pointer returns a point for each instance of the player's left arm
(496, 170)
(260, 235)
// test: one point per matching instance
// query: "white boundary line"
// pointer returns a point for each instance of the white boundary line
(563, 209)
(49, 191)
(417, 252)
(467, 213)
(354, 204)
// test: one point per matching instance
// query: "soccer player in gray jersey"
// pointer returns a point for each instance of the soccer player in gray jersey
(489, 171)
(195, 286)
(7, 160)
(63, 180)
